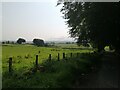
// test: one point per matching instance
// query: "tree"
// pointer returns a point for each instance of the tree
(3, 42)
(12, 42)
(7, 42)
(38, 42)
(21, 40)
(96, 23)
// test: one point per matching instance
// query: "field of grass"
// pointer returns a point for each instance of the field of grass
(56, 73)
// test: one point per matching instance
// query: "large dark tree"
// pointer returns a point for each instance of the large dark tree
(21, 40)
(38, 42)
(96, 23)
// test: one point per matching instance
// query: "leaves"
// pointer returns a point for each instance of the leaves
(94, 22)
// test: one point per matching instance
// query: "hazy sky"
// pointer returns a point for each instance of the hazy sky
(33, 20)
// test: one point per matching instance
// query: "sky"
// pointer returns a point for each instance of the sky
(31, 20)
(0, 21)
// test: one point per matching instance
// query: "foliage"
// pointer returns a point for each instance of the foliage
(96, 23)
(21, 40)
(38, 42)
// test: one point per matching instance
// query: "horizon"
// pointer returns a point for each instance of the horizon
(52, 39)
(44, 41)
(33, 20)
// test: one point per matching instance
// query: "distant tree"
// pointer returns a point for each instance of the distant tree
(3, 42)
(38, 42)
(12, 42)
(21, 40)
(46, 44)
(68, 43)
(73, 42)
(7, 42)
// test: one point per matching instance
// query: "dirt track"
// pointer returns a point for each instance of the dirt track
(108, 75)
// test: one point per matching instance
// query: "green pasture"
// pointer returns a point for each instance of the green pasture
(57, 73)
(24, 55)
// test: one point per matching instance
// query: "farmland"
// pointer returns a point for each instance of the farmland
(56, 73)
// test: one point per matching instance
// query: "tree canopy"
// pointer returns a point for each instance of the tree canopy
(38, 42)
(21, 40)
(94, 22)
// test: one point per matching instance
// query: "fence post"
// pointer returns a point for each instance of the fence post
(36, 61)
(70, 54)
(58, 57)
(10, 64)
(63, 55)
(49, 57)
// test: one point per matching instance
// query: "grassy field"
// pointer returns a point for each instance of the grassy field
(61, 73)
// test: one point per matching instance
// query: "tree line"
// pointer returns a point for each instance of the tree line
(37, 42)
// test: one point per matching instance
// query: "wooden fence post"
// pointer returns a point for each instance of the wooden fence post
(50, 57)
(63, 55)
(36, 61)
(10, 64)
(58, 57)
(70, 54)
